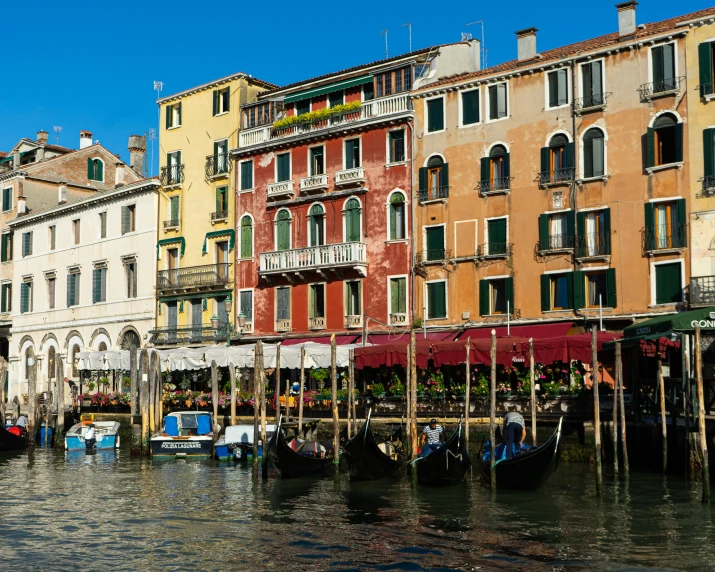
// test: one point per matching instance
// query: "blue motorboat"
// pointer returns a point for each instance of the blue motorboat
(237, 442)
(106, 433)
(184, 434)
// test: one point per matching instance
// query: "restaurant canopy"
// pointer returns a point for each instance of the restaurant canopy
(672, 323)
(536, 331)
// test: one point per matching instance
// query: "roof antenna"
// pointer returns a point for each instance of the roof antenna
(482, 46)
(409, 25)
(387, 53)
(57, 129)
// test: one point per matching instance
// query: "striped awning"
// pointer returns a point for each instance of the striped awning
(315, 92)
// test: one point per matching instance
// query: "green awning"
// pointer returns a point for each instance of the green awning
(315, 92)
(226, 293)
(680, 322)
(218, 233)
(175, 240)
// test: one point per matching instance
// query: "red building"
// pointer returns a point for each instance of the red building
(324, 197)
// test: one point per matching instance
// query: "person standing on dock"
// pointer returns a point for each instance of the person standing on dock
(514, 432)
(433, 435)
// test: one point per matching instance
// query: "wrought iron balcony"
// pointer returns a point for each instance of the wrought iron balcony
(317, 258)
(217, 166)
(494, 250)
(664, 237)
(708, 185)
(352, 322)
(350, 176)
(282, 189)
(557, 177)
(661, 87)
(556, 243)
(316, 323)
(498, 185)
(172, 175)
(591, 102)
(199, 277)
(432, 255)
(219, 216)
(706, 89)
(172, 223)
(433, 194)
(702, 291)
(283, 325)
(593, 245)
(315, 183)
(188, 334)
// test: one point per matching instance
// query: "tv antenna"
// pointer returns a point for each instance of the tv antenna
(152, 137)
(57, 129)
(387, 53)
(158, 86)
(482, 46)
(409, 25)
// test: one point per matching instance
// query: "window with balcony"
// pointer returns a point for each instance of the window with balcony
(557, 161)
(594, 164)
(663, 68)
(95, 170)
(393, 81)
(247, 175)
(557, 292)
(7, 199)
(497, 95)
(26, 291)
(6, 247)
(496, 296)
(398, 300)
(129, 219)
(51, 290)
(246, 237)
(302, 107)
(26, 244)
(221, 204)
(73, 288)
(316, 157)
(435, 114)
(434, 180)
(283, 306)
(336, 98)
(220, 158)
(594, 233)
(6, 302)
(99, 284)
(245, 304)
(353, 220)
(709, 159)
(436, 299)
(283, 230)
(396, 144)
(497, 242)
(221, 100)
(556, 231)
(282, 167)
(495, 170)
(470, 107)
(368, 91)
(261, 114)
(316, 302)
(706, 61)
(592, 92)
(174, 169)
(316, 225)
(398, 216)
(664, 141)
(434, 243)
(558, 88)
(353, 300)
(352, 154)
(665, 225)
(173, 115)
(130, 270)
(668, 283)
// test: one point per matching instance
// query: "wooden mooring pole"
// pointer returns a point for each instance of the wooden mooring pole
(614, 428)
(701, 416)
(144, 400)
(351, 393)
(596, 411)
(133, 386)
(3, 376)
(257, 373)
(152, 391)
(493, 411)
(232, 375)
(413, 391)
(32, 400)
(622, 413)
(278, 385)
(159, 414)
(334, 405)
(468, 387)
(663, 424)
(532, 377)
(60, 398)
(214, 394)
(300, 391)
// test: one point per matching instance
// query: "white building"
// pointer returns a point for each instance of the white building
(83, 279)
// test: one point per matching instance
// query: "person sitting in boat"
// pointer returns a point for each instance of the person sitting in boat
(514, 432)
(433, 435)
(21, 423)
(90, 438)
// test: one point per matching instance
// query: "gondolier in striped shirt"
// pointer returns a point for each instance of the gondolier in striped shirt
(432, 438)
(514, 432)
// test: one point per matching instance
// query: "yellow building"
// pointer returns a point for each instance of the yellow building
(196, 223)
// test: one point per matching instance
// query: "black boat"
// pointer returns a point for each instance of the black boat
(446, 465)
(367, 460)
(531, 469)
(10, 441)
(306, 460)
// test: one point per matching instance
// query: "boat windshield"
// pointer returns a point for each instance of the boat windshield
(189, 421)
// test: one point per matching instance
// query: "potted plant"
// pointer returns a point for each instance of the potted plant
(320, 375)
(503, 390)
(90, 386)
(378, 390)
(104, 382)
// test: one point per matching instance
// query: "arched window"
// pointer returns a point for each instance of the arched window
(397, 217)
(95, 169)
(557, 160)
(51, 362)
(499, 168)
(435, 167)
(316, 226)
(246, 237)
(665, 141)
(283, 224)
(593, 153)
(102, 347)
(75, 351)
(353, 213)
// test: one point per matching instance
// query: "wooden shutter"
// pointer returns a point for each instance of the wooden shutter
(507, 167)
(444, 180)
(168, 109)
(545, 165)
(24, 297)
(350, 153)
(178, 113)
(352, 222)
(227, 99)
(650, 226)
(70, 290)
(669, 65)
(501, 100)
(395, 295)
(216, 102)
(99, 170)
(284, 167)
(90, 169)
(311, 301)
(544, 232)
(96, 285)
(657, 59)
(423, 174)
(283, 229)
(709, 152)
(435, 115)
(4, 248)
(553, 89)
(283, 295)
(470, 107)
(3, 303)
(125, 219)
(678, 142)
(496, 230)
(650, 148)
(611, 299)
(680, 236)
(218, 199)
(579, 289)
(570, 228)
(26, 244)
(569, 155)
(545, 293)
(587, 81)
(486, 175)
(705, 59)
(581, 241)
(668, 287)
(606, 231)
(247, 175)
(588, 157)
(246, 237)
(569, 290)
(484, 298)
(435, 243)
(174, 208)
(509, 293)
(438, 301)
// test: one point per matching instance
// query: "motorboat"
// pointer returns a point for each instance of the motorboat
(105, 432)
(237, 442)
(184, 434)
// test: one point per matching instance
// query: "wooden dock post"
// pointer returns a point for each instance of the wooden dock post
(278, 362)
(152, 391)
(468, 387)
(351, 391)
(32, 401)
(133, 387)
(596, 410)
(492, 411)
(144, 400)
(60, 398)
(300, 391)
(257, 373)
(3, 370)
(614, 428)
(622, 413)
(687, 399)
(701, 415)
(663, 424)
(214, 395)
(278, 385)
(532, 377)
(232, 375)
(413, 391)
(334, 404)
(408, 400)
(262, 395)
(159, 414)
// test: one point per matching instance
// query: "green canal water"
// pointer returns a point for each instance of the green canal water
(67, 512)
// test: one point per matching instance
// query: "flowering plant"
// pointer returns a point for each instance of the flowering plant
(552, 388)
(480, 384)
(435, 383)
(503, 389)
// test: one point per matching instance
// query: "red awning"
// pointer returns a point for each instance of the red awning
(404, 338)
(339, 340)
(657, 348)
(536, 331)
(391, 354)
(567, 348)
(509, 351)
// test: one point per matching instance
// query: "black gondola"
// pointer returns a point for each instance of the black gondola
(367, 461)
(10, 442)
(289, 463)
(531, 469)
(447, 465)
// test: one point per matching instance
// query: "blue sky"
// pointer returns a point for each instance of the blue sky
(91, 65)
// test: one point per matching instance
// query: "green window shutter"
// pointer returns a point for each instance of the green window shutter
(544, 232)
(669, 64)
(311, 301)
(395, 295)
(423, 179)
(657, 59)
(607, 231)
(485, 169)
(611, 299)
(70, 290)
(507, 166)
(393, 226)
(705, 59)
(125, 220)
(650, 148)
(496, 235)
(96, 285)
(352, 221)
(435, 115)
(545, 293)
(216, 98)
(168, 116)
(668, 288)
(588, 158)
(218, 200)
(470, 107)
(246, 237)
(284, 167)
(3, 303)
(680, 236)
(174, 208)
(435, 243)
(569, 155)
(709, 152)
(553, 89)
(24, 297)
(283, 230)
(545, 165)
(178, 160)
(247, 175)
(440, 300)
(678, 142)
(90, 169)
(570, 290)
(509, 293)
(26, 244)
(4, 248)
(484, 297)
(444, 177)
(228, 99)
(178, 113)
(650, 226)
(570, 227)
(215, 160)
(579, 289)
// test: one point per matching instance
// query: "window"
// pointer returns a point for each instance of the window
(130, 269)
(470, 107)
(282, 303)
(596, 291)
(434, 182)
(556, 291)
(398, 300)
(394, 81)
(434, 242)
(665, 225)
(174, 168)
(174, 211)
(245, 304)
(95, 170)
(316, 302)
(26, 297)
(128, 219)
(556, 231)
(396, 143)
(593, 153)
(665, 141)
(316, 226)
(592, 85)
(663, 68)
(246, 175)
(496, 296)
(99, 285)
(497, 237)
(6, 295)
(283, 230)
(368, 92)
(709, 158)
(173, 115)
(496, 170)
(76, 231)
(103, 225)
(222, 202)
(353, 222)
(668, 283)
(7, 199)
(260, 114)
(283, 167)
(706, 59)
(221, 99)
(51, 363)
(27, 244)
(594, 233)
(352, 153)
(220, 157)
(6, 247)
(317, 161)
(435, 115)
(73, 288)
(51, 289)
(497, 101)
(436, 300)
(302, 107)
(558, 85)
(336, 98)
(353, 305)
(246, 237)
(398, 218)
(557, 160)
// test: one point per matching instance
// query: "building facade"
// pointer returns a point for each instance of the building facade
(195, 270)
(557, 186)
(84, 276)
(324, 197)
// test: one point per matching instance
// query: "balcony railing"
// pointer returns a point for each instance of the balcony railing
(350, 176)
(399, 319)
(556, 177)
(593, 101)
(193, 277)
(172, 175)
(219, 215)
(283, 326)
(353, 322)
(189, 334)
(706, 89)
(433, 194)
(316, 323)
(494, 250)
(664, 237)
(432, 255)
(315, 183)
(373, 109)
(593, 244)
(702, 291)
(282, 189)
(314, 258)
(556, 242)
(217, 166)
(708, 184)
(498, 185)
(661, 87)
(172, 223)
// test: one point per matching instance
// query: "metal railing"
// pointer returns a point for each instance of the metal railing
(314, 257)
(590, 101)
(194, 276)
(172, 223)
(702, 290)
(709, 183)
(494, 250)
(433, 194)
(219, 215)
(189, 334)
(661, 86)
(593, 244)
(556, 242)
(433, 255)
(706, 89)
(217, 165)
(495, 185)
(664, 237)
(557, 176)
(172, 175)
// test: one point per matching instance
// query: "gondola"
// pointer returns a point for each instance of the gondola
(447, 465)
(367, 461)
(528, 470)
(289, 463)
(11, 442)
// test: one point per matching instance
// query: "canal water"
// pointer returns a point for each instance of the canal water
(109, 510)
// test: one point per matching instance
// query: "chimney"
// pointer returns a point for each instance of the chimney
(42, 136)
(21, 205)
(137, 151)
(62, 193)
(85, 139)
(526, 44)
(627, 17)
(119, 175)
